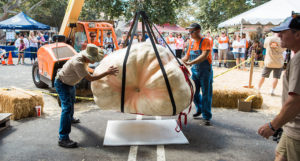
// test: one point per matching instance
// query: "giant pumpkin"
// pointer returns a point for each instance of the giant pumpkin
(145, 91)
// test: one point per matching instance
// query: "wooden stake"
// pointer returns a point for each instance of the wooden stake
(251, 69)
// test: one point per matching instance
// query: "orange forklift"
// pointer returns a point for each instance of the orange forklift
(73, 37)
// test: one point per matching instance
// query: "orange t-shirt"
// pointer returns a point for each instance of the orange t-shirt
(96, 43)
(204, 47)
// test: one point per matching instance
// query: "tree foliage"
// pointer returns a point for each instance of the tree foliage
(158, 11)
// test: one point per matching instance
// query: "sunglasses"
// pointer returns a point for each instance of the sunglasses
(191, 32)
(93, 35)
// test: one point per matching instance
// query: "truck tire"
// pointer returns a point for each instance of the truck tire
(36, 76)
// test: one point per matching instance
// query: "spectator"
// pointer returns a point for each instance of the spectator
(209, 38)
(21, 50)
(46, 36)
(41, 39)
(179, 45)
(17, 43)
(223, 49)
(245, 41)
(171, 42)
(108, 42)
(215, 48)
(239, 50)
(273, 61)
(262, 42)
(123, 40)
(257, 49)
(33, 46)
(94, 40)
(135, 39)
(140, 38)
(288, 148)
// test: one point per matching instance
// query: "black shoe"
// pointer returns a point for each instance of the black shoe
(220, 65)
(207, 122)
(67, 143)
(197, 114)
(225, 65)
(75, 121)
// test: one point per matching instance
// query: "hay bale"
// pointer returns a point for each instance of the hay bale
(228, 98)
(20, 103)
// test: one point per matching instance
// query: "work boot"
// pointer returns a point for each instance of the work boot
(67, 143)
(220, 65)
(75, 121)
(197, 114)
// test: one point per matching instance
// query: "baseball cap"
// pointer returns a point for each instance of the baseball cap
(292, 22)
(194, 26)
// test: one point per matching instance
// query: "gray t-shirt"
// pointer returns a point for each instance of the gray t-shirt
(291, 84)
(74, 70)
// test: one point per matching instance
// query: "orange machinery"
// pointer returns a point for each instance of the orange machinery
(51, 57)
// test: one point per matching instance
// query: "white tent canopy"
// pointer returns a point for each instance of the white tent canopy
(270, 13)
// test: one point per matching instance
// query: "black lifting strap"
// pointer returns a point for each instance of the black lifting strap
(160, 63)
(144, 19)
(125, 61)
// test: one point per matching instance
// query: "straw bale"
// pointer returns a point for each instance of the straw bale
(228, 98)
(21, 104)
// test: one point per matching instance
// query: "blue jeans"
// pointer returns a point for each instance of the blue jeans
(203, 79)
(67, 97)
(33, 53)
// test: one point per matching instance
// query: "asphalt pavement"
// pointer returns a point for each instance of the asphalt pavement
(232, 136)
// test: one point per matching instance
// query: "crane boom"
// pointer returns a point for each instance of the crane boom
(71, 16)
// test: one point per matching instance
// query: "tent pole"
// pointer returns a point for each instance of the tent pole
(241, 29)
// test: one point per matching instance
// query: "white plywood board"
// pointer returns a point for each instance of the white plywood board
(142, 132)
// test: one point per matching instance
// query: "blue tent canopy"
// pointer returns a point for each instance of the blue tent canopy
(22, 22)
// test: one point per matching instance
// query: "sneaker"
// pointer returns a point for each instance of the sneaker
(67, 143)
(272, 94)
(197, 114)
(225, 65)
(207, 122)
(75, 121)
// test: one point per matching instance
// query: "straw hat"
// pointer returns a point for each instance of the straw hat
(93, 53)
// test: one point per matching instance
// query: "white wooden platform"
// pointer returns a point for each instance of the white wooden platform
(142, 132)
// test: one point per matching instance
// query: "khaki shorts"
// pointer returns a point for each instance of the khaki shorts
(223, 54)
(276, 72)
(288, 148)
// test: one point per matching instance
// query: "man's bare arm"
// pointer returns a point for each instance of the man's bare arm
(288, 112)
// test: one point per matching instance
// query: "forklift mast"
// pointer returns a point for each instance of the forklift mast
(71, 16)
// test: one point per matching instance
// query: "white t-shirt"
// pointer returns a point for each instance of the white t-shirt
(26, 42)
(238, 43)
(172, 42)
(32, 43)
(223, 45)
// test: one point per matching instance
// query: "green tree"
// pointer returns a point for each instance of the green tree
(158, 11)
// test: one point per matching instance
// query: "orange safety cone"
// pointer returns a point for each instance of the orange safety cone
(10, 60)
(3, 60)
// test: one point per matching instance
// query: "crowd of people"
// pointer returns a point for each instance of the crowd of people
(29, 43)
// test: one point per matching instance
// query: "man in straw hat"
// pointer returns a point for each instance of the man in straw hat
(73, 71)
(288, 147)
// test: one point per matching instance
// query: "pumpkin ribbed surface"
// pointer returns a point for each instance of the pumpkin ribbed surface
(145, 91)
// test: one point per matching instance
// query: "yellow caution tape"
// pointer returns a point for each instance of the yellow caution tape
(232, 68)
(54, 94)
(77, 97)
